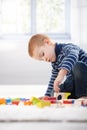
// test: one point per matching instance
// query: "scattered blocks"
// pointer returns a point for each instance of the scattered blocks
(61, 99)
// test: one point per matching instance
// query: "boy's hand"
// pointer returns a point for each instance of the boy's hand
(44, 97)
(57, 82)
(59, 79)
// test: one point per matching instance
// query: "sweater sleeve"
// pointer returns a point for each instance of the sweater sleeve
(70, 59)
(50, 89)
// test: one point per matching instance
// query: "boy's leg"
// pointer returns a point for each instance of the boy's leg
(68, 86)
(80, 79)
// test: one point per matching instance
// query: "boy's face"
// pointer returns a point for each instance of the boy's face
(45, 52)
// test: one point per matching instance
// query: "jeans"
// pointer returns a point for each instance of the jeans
(76, 84)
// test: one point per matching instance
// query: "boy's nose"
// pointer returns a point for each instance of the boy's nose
(47, 59)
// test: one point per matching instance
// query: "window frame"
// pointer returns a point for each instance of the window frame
(62, 36)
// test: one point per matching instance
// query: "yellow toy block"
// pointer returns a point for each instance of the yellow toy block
(34, 100)
(42, 104)
(39, 103)
(62, 95)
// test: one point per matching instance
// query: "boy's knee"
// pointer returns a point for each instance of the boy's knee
(79, 68)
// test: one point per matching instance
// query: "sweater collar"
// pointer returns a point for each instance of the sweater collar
(58, 48)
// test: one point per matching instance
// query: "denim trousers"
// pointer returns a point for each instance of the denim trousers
(76, 84)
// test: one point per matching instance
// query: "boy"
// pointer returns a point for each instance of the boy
(69, 65)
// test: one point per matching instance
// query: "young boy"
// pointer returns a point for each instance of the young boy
(69, 65)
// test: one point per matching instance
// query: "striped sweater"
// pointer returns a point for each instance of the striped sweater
(66, 57)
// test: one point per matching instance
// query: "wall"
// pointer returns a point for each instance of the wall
(82, 5)
(16, 67)
(79, 22)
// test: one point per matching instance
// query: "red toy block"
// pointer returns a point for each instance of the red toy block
(15, 102)
(68, 101)
(50, 99)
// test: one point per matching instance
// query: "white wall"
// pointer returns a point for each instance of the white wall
(82, 5)
(16, 67)
(79, 22)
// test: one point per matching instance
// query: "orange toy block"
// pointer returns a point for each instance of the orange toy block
(2, 101)
(27, 103)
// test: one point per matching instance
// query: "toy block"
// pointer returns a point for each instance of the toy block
(2, 101)
(62, 95)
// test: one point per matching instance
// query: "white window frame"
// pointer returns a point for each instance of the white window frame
(62, 36)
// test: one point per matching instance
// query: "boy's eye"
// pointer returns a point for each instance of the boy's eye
(43, 54)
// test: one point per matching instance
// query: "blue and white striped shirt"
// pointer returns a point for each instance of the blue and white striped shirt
(66, 57)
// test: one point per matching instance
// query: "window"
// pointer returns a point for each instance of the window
(28, 17)
(15, 16)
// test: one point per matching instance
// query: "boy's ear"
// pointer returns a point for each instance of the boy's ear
(46, 41)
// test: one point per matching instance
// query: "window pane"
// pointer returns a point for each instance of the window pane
(15, 16)
(50, 16)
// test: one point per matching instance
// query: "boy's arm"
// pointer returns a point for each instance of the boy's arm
(50, 89)
(59, 79)
(66, 66)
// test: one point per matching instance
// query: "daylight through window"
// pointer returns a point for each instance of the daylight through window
(34, 16)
